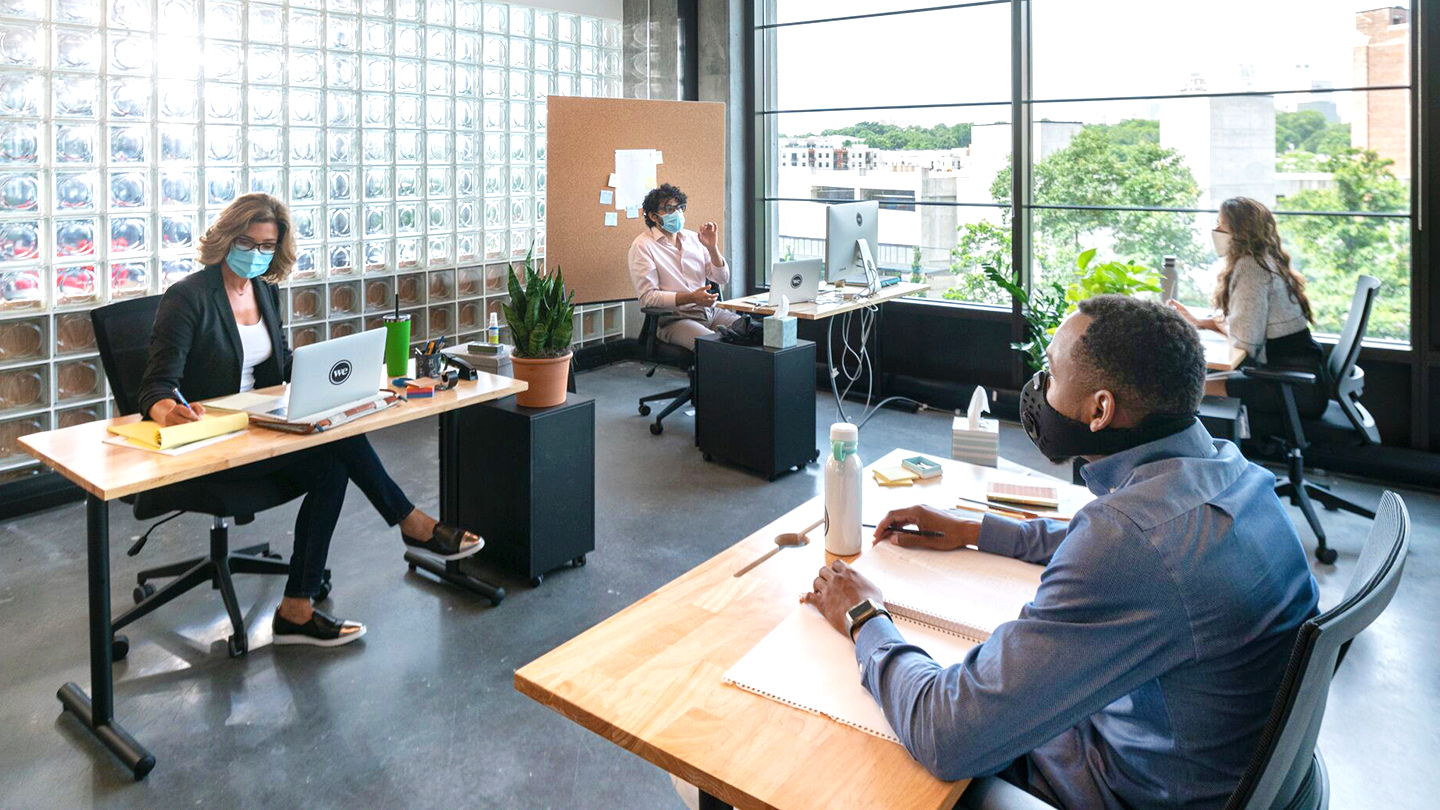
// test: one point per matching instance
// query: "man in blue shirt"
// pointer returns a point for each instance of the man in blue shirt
(1142, 673)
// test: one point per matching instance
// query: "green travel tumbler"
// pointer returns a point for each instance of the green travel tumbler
(397, 345)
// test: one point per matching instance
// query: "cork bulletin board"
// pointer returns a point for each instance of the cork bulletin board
(582, 136)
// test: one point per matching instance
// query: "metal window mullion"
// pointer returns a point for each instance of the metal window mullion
(1021, 188)
(947, 7)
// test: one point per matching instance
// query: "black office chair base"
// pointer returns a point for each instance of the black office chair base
(450, 571)
(1304, 496)
(678, 397)
(218, 569)
(111, 734)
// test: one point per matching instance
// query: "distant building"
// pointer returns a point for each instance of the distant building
(1288, 184)
(1382, 120)
(1322, 103)
(826, 152)
(1228, 143)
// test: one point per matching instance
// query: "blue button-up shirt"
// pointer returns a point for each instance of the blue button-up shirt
(1142, 673)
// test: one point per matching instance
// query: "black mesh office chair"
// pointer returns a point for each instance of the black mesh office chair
(1344, 415)
(1286, 771)
(122, 333)
(660, 353)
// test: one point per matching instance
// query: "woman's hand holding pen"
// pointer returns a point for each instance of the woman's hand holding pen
(168, 412)
(954, 531)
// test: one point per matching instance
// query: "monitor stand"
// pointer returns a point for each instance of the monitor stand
(872, 276)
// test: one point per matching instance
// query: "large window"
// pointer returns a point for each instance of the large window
(408, 137)
(1142, 117)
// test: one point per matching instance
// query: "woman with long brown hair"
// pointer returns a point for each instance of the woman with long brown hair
(219, 331)
(1262, 308)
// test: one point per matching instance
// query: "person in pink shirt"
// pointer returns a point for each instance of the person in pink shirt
(671, 267)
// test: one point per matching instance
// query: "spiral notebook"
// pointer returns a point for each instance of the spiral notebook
(944, 602)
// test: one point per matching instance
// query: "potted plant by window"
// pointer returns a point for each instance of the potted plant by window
(541, 320)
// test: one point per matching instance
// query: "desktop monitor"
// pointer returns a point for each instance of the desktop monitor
(852, 234)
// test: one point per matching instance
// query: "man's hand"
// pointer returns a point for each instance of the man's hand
(168, 412)
(837, 589)
(710, 235)
(958, 531)
(701, 298)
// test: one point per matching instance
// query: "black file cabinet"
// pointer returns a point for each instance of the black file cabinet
(755, 406)
(524, 479)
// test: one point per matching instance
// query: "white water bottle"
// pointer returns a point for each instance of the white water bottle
(842, 491)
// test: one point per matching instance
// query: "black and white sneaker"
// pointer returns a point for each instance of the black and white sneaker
(323, 630)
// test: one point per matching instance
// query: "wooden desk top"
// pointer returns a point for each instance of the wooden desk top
(649, 678)
(1219, 354)
(109, 471)
(811, 311)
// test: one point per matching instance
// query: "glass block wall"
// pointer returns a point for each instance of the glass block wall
(408, 137)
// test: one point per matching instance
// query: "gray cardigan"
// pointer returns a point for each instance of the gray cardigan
(1261, 308)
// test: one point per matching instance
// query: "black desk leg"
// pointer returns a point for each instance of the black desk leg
(708, 802)
(97, 711)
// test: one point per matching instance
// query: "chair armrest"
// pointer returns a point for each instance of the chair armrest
(657, 311)
(1279, 376)
(994, 793)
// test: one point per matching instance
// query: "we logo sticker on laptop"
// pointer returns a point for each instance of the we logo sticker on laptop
(340, 372)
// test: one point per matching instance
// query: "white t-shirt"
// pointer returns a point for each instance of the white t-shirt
(255, 343)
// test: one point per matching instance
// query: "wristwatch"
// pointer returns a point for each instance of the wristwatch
(862, 613)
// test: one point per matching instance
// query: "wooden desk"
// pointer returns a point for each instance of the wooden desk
(649, 678)
(107, 472)
(811, 311)
(1219, 354)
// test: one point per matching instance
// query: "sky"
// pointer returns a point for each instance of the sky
(1104, 48)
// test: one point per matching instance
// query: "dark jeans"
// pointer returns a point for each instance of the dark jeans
(323, 473)
(1294, 352)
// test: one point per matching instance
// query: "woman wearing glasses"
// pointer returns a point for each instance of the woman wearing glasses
(220, 331)
(1261, 307)
(671, 267)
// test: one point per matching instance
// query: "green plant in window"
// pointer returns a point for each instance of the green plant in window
(1112, 277)
(1043, 307)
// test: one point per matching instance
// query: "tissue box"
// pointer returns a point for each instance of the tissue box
(978, 446)
(780, 332)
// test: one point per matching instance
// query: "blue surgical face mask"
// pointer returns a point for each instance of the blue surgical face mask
(248, 263)
(673, 221)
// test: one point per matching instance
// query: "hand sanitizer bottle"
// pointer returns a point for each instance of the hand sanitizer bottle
(492, 334)
(842, 491)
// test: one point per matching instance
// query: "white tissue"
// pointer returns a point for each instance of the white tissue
(979, 403)
(784, 308)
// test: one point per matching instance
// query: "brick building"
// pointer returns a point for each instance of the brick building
(1381, 121)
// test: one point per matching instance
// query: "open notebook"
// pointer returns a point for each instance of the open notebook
(944, 602)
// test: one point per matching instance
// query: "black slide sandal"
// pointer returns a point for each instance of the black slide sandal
(445, 542)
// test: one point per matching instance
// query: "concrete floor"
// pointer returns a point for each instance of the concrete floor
(422, 712)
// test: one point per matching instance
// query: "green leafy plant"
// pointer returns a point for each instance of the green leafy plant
(541, 315)
(1046, 304)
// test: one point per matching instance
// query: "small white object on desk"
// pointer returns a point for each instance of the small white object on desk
(974, 439)
(780, 328)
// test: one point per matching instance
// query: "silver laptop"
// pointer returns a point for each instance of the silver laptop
(327, 377)
(799, 280)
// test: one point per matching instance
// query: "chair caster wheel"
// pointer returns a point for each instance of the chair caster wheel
(411, 565)
(644, 409)
(1326, 555)
(238, 645)
(536, 580)
(815, 457)
(578, 562)
(656, 429)
(324, 594)
(707, 456)
(274, 555)
(119, 648)
(142, 592)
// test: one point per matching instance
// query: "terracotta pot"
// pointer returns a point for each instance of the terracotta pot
(547, 378)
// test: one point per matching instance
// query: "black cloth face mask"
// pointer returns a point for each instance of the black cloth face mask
(1061, 438)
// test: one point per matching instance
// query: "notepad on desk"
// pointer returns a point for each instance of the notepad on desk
(150, 435)
(944, 602)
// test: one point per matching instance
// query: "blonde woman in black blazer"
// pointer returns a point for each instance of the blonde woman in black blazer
(219, 331)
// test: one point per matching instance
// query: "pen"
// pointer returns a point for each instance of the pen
(181, 397)
(900, 530)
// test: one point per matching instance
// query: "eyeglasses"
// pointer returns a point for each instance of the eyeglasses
(246, 243)
(672, 208)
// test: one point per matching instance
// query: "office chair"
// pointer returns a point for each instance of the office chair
(122, 334)
(658, 353)
(1286, 771)
(1344, 413)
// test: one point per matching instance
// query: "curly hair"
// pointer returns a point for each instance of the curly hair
(1253, 233)
(236, 219)
(1145, 353)
(651, 203)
